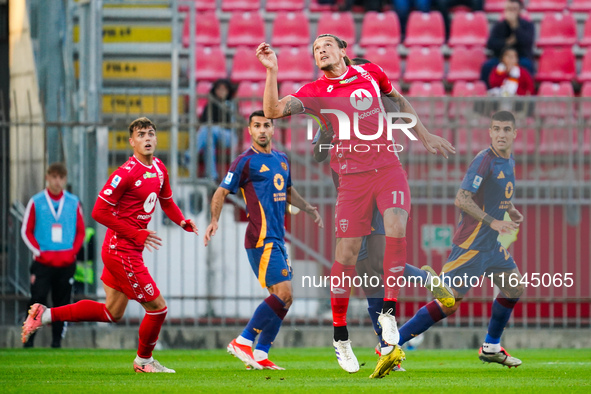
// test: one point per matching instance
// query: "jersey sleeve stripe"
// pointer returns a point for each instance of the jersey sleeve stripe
(36, 252)
(107, 201)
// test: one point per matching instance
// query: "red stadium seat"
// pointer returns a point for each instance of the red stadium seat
(284, 5)
(340, 24)
(586, 96)
(468, 90)
(558, 140)
(425, 29)
(423, 90)
(494, 5)
(210, 63)
(200, 5)
(246, 66)
(580, 6)
(557, 29)
(465, 64)
(424, 64)
(289, 87)
(525, 141)
(380, 29)
(317, 7)
(246, 28)
(207, 30)
(203, 88)
(471, 140)
(555, 109)
(296, 64)
(469, 29)
(546, 5)
(240, 5)
(250, 97)
(290, 28)
(387, 58)
(586, 39)
(585, 74)
(556, 65)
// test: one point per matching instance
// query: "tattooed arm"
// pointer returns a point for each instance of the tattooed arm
(466, 203)
(272, 106)
(431, 142)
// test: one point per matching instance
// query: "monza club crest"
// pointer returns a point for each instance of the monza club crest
(344, 224)
(149, 289)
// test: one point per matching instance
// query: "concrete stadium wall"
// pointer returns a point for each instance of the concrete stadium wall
(102, 336)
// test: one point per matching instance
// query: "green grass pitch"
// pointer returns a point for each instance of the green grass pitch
(308, 370)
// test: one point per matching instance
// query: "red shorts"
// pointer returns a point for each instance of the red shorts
(359, 193)
(128, 274)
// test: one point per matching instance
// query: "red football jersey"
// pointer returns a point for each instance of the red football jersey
(132, 190)
(357, 94)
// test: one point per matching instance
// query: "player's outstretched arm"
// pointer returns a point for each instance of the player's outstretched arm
(272, 106)
(433, 143)
(294, 198)
(103, 215)
(465, 202)
(174, 213)
(217, 202)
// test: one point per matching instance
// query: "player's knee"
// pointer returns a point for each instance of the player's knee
(516, 292)
(286, 297)
(116, 315)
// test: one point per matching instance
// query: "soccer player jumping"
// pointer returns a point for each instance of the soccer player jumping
(484, 197)
(263, 175)
(368, 178)
(125, 206)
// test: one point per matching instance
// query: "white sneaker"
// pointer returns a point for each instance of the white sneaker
(345, 356)
(390, 332)
(153, 366)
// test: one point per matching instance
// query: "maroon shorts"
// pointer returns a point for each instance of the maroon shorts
(359, 193)
(128, 274)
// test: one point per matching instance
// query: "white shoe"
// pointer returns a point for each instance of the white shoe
(390, 332)
(153, 366)
(345, 356)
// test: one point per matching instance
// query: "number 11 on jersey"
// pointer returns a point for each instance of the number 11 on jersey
(401, 202)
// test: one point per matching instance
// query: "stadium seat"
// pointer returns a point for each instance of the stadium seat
(207, 30)
(200, 5)
(585, 74)
(586, 103)
(423, 90)
(317, 7)
(246, 66)
(557, 29)
(468, 29)
(558, 139)
(380, 29)
(465, 64)
(240, 5)
(525, 143)
(494, 5)
(580, 6)
(556, 65)
(468, 90)
(546, 5)
(203, 88)
(555, 109)
(425, 29)
(471, 140)
(284, 5)
(424, 64)
(296, 64)
(210, 63)
(585, 41)
(288, 87)
(387, 58)
(290, 28)
(250, 97)
(340, 24)
(246, 28)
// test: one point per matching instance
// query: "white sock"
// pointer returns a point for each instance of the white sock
(143, 361)
(491, 347)
(46, 317)
(243, 341)
(259, 355)
(387, 350)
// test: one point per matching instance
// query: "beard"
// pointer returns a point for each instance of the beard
(264, 144)
(328, 67)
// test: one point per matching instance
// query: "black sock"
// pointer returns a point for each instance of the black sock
(389, 305)
(341, 333)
